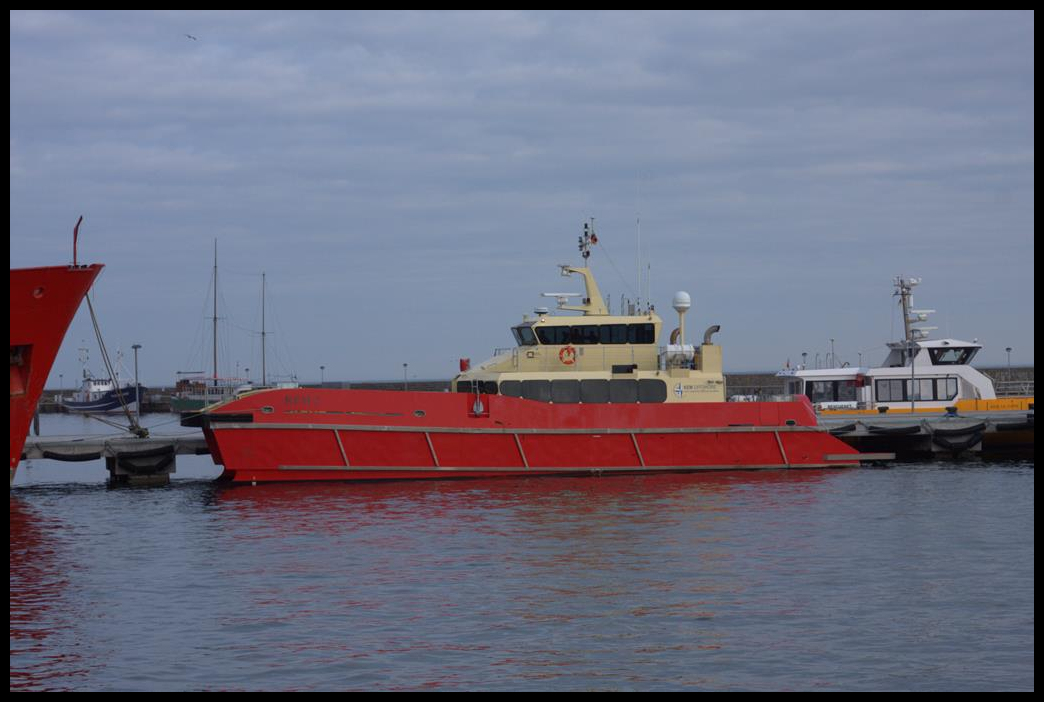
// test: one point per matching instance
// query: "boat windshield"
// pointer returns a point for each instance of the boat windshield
(953, 356)
(524, 336)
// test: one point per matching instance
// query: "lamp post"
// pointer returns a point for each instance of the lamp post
(833, 358)
(137, 388)
(1008, 349)
(322, 370)
(405, 383)
(804, 360)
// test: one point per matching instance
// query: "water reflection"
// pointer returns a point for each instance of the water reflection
(40, 580)
(721, 580)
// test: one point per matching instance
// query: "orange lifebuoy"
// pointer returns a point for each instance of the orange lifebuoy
(567, 355)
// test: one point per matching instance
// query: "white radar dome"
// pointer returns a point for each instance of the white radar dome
(682, 302)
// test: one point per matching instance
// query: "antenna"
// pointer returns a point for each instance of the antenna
(561, 298)
(648, 286)
(904, 289)
(264, 375)
(638, 225)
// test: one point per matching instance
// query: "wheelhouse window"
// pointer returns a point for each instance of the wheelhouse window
(524, 335)
(612, 333)
(587, 334)
(952, 356)
(553, 336)
(644, 333)
(641, 334)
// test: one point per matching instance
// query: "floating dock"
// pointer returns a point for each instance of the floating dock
(130, 460)
(996, 434)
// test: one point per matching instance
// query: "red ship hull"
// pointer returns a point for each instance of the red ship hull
(43, 304)
(317, 434)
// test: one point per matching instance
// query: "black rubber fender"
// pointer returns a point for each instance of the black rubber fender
(958, 431)
(958, 444)
(911, 429)
(54, 455)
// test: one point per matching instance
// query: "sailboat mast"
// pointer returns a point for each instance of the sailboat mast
(215, 319)
(263, 374)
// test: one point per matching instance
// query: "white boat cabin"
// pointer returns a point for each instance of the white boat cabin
(939, 377)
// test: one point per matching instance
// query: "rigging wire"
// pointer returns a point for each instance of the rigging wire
(134, 427)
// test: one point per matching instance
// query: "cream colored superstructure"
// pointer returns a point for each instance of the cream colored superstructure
(595, 345)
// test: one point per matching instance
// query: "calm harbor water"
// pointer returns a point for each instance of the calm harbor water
(914, 577)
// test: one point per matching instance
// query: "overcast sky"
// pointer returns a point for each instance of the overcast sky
(409, 181)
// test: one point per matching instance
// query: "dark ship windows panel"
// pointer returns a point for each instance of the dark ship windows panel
(565, 391)
(652, 391)
(641, 334)
(487, 387)
(554, 336)
(644, 333)
(612, 333)
(539, 390)
(831, 390)
(623, 391)
(594, 391)
(924, 389)
(587, 334)
(590, 391)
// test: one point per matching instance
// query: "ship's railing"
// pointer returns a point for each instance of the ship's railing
(1013, 388)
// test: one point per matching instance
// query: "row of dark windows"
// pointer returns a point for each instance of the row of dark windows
(595, 390)
(644, 333)
(831, 390)
(923, 389)
(897, 390)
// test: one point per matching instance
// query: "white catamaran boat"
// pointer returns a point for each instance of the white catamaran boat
(918, 375)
